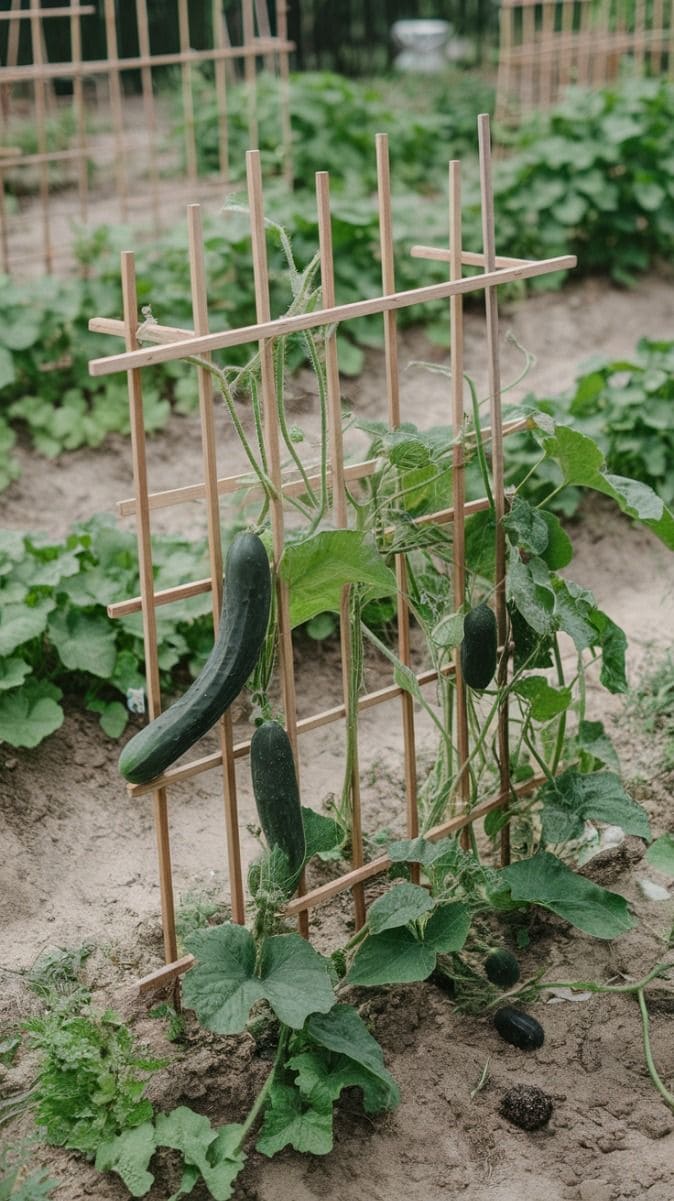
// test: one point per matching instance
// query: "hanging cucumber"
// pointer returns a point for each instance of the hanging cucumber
(243, 625)
(478, 648)
(276, 793)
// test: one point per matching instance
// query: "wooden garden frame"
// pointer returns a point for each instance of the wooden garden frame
(152, 198)
(545, 45)
(171, 344)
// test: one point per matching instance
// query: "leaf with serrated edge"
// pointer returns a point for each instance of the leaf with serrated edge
(317, 569)
(29, 714)
(545, 880)
(215, 1152)
(291, 1120)
(402, 904)
(574, 797)
(223, 986)
(129, 1155)
(295, 979)
(447, 928)
(392, 957)
(343, 1032)
(545, 701)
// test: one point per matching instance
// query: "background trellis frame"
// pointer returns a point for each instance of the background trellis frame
(169, 344)
(257, 44)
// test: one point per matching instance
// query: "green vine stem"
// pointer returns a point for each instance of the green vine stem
(667, 1097)
(261, 1099)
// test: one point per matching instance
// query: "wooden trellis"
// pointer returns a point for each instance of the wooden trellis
(133, 179)
(545, 45)
(175, 344)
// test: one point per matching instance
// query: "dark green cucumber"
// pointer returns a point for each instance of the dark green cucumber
(478, 648)
(518, 1028)
(502, 968)
(276, 793)
(243, 625)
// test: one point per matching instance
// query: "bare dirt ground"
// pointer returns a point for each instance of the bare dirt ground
(79, 863)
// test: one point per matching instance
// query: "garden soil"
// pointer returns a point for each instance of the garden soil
(79, 863)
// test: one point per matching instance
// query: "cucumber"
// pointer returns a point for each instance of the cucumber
(276, 793)
(502, 968)
(519, 1028)
(478, 648)
(243, 625)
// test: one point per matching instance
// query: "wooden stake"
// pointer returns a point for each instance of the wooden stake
(149, 109)
(79, 110)
(147, 588)
(116, 105)
(39, 93)
(494, 375)
(188, 106)
(218, 22)
(204, 380)
(340, 520)
(284, 90)
(248, 21)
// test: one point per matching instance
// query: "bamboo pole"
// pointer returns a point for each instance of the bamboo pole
(494, 375)
(105, 66)
(393, 406)
(39, 93)
(248, 21)
(115, 86)
(149, 109)
(188, 104)
(458, 483)
(341, 522)
(284, 89)
(272, 445)
(147, 588)
(218, 22)
(343, 312)
(205, 386)
(79, 110)
(264, 30)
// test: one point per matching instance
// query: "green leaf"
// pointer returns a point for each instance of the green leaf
(574, 608)
(317, 569)
(447, 928)
(322, 835)
(216, 1153)
(290, 1119)
(530, 590)
(418, 850)
(545, 701)
(20, 623)
(613, 643)
(401, 904)
(30, 713)
(660, 854)
(573, 798)
(392, 957)
(7, 372)
(11, 550)
(449, 631)
(343, 1032)
(12, 673)
(592, 739)
(546, 881)
(129, 1155)
(559, 551)
(114, 718)
(84, 641)
(224, 985)
(526, 527)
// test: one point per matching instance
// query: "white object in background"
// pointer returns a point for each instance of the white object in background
(423, 45)
(653, 891)
(135, 700)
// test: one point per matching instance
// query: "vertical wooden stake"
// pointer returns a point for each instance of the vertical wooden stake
(220, 69)
(80, 114)
(393, 404)
(340, 518)
(249, 70)
(205, 385)
(272, 440)
(458, 479)
(149, 108)
(116, 105)
(494, 375)
(39, 92)
(188, 105)
(147, 594)
(284, 88)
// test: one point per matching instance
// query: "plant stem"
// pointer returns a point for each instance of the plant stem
(261, 1098)
(660, 969)
(667, 1097)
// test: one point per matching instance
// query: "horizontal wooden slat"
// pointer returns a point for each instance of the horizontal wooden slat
(109, 65)
(23, 14)
(469, 258)
(48, 156)
(207, 343)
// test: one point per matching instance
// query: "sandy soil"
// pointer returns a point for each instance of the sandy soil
(79, 865)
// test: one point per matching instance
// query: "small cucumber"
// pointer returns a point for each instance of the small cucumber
(243, 625)
(276, 793)
(478, 648)
(502, 968)
(519, 1028)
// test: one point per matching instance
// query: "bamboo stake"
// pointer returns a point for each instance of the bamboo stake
(340, 520)
(39, 93)
(218, 22)
(27, 14)
(639, 30)
(547, 65)
(149, 617)
(116, 105)
(527, 72)
(494, 374)
(284, 89)
(205, 385)
(264, 30)
(458, 482)
(393, 399)
(149, 109)
(503, 79)
(4, 243)
(248, 21)
(656, 48)
(105, 65)
(188, 106)
(79, 109)
(320, 317)
(272, 444)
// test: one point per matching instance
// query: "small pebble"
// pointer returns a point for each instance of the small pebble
(526, 1106)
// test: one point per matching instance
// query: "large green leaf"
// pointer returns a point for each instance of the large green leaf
(129, 1155)
(30, 713)
(660, 854)
(526, 527)
(344, 1034)
(447, 928)
(224, 985)
(544, 880)
(392, 957)
(291, 1119)
(84, 641)
(317, 569)
(545, 701)
(20, 623)
(216, 1153)
(573, 798)
(13, 672)
(530, 590)
(402, 904)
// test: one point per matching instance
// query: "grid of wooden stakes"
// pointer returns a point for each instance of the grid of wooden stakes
(545, 45)
(173, 344)
(27, 88)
